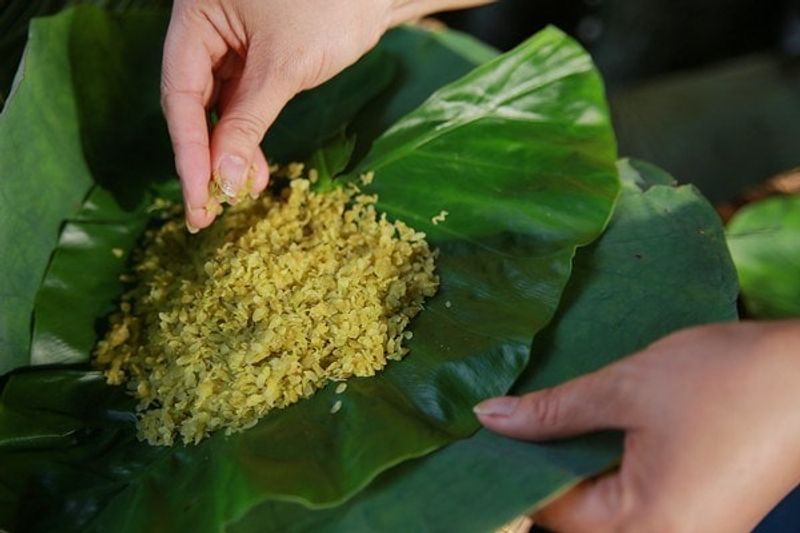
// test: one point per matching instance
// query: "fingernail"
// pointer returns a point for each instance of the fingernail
(502, 406)
(232, 174)
(192, 228)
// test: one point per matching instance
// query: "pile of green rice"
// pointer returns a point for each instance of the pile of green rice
(280, 296)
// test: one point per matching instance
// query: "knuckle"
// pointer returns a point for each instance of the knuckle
(297, 68)
(247, 125)
(619, 387)
(545, 408)
(186, 145)
(170, 97)
(165, 100)
(620, 382)
(165, 94)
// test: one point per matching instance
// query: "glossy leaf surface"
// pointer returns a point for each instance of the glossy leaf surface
(764, 239)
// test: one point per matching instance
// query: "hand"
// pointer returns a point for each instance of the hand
(247, 59)
(712, 431)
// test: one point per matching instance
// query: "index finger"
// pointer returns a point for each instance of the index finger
(188, 130)
(186, 84)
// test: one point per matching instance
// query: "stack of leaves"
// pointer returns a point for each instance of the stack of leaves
(518, 148)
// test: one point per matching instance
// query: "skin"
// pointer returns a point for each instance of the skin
(246, 59)
(709, 413)
(711, 427)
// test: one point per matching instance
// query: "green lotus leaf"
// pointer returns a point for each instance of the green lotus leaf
(764, 239)
(519, 150)
(55, 143)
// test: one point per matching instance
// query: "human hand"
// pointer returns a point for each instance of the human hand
(246, 59)
(712, 431)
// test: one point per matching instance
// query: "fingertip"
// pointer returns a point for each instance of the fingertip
(501, 406)
(191, 227)
(261, 174)
(198, 218)
(200, 215)
(192, 165)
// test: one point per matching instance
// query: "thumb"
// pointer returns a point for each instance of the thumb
(253, 103)
(590, 403)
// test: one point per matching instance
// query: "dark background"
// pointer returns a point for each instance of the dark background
(632, 41)
(707, 89)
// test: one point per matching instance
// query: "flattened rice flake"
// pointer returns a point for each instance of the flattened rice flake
(336, 407)
(367, 178)
(280, 296)
(440, 217)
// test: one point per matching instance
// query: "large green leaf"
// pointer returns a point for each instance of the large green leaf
(661, 265)
(424, 61)
(56, 141)
(506, 253)
(15, 16)
(764, 239)
(526, 129)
